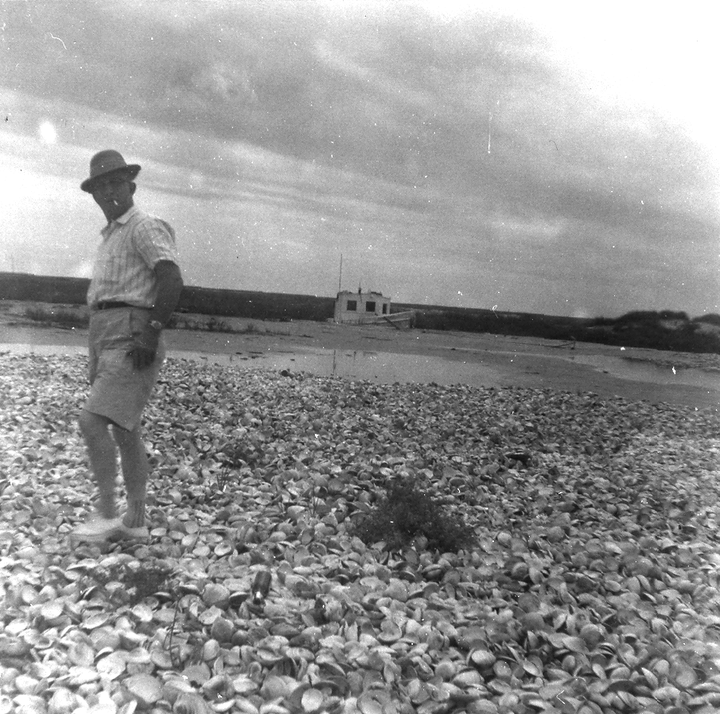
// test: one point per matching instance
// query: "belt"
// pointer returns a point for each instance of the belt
(111, 305)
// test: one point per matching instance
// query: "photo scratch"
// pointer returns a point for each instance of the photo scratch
(489, 130)
(58, 39)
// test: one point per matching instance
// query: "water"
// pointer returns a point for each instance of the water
(385, 367)
(649, 372)
(388, 367)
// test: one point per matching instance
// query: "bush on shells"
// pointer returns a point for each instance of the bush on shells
(406, 514)
(138, 579)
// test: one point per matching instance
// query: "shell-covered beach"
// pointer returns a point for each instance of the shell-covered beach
(590, 585)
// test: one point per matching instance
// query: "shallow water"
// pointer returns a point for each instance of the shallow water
(388, 367)
(384, 367)
(649, 372)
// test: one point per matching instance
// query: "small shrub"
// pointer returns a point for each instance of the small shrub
(673, 315)
(65, 318)
(215, 325)
(406, 513)
(250, 329)
(140, 580)
(711, 319)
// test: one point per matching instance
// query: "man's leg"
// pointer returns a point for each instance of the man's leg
(135, 469)
(103, 458)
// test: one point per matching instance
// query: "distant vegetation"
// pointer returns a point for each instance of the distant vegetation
(204, 301)
(664, 330)
(70, 319)
(59, 317)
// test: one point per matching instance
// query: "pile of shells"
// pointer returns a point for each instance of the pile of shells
(592, 585)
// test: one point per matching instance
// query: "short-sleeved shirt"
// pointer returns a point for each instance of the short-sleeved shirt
(131, 247)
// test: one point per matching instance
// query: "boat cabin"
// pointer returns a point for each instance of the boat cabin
(360, 308)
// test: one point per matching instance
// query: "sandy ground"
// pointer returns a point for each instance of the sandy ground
(385, 354)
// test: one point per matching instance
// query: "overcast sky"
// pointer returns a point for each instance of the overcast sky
(561, 158)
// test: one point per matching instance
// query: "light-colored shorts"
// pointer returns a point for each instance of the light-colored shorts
(119, 391)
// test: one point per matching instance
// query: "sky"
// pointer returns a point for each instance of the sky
(546, 157)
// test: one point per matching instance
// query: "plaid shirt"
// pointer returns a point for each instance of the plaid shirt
(124, 266)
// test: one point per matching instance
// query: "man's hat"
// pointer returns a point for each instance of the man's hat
(107, 162)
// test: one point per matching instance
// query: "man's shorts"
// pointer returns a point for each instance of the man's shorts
(118, 390)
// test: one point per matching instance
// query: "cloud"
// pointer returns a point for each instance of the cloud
(460, 144)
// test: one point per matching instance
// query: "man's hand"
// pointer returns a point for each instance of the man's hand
(169, 287)
(145, 347)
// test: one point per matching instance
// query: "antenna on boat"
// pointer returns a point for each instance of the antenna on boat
(340, 278)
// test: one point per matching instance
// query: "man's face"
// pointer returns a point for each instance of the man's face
(114, 195)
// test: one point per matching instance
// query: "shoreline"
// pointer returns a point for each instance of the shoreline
(375, 353)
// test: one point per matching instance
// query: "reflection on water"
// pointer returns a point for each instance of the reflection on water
(383, 367)
(388, 367)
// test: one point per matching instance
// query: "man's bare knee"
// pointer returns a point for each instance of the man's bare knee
(126, 438)
(92, 425)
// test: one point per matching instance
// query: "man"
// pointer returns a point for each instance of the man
(134, 290)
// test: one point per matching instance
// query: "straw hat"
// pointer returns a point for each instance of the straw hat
(107, 162)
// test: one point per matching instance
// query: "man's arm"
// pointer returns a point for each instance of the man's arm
(169, 287)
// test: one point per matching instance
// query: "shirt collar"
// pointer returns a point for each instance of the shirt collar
(120, 220)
